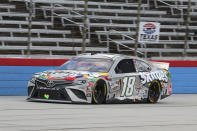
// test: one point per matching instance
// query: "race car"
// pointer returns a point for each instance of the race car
(102, 78)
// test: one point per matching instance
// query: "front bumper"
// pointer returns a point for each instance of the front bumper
(69, 94)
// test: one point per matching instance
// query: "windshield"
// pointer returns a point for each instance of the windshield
(88, 64)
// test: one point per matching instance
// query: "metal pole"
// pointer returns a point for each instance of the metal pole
(84, 26)
(29, 29)
(137, 28)
(187, 20)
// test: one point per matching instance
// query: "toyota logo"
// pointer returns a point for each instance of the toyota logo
(50, 83)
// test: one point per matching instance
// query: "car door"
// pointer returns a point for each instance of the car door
(124, 73)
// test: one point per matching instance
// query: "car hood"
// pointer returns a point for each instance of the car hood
(68, 74)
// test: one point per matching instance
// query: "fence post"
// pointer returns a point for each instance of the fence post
(84, 27)
(29, 43)
(137, 28)
(187, 21)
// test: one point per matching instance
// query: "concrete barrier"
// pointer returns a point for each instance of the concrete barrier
(184, 79)
(14, 79)
(15, 73)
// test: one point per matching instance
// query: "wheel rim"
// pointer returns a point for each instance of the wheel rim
(154, 92)
(99, 94)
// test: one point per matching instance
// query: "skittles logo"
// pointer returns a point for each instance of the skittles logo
(149, 28)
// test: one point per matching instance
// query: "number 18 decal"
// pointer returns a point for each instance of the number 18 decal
(128, 84)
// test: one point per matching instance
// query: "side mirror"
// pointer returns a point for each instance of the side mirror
(140, 69)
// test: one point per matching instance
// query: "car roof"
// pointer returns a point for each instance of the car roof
(108, 56)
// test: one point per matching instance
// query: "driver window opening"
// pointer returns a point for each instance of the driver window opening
(125, 66)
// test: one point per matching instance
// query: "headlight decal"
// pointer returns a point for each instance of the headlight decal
(33, 79)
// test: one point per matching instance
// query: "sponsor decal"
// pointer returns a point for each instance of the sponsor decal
(90, 84)
(45, 88)
(92, 79)
(145, 96)
(88, 95)
(88, 91)
(85, 76)
(94, 74)
(43, 76)
(115, 85)
(70, 78)
(147, 85)
(170, 89)
(149, 77)
(46, 96)
(53, 74)
(134, 99)
(79, 76)
(104, 74)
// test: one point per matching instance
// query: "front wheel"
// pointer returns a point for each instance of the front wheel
(99, 92)
(154, 92)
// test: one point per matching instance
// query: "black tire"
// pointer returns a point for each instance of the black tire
(99, 92)
(154, 92)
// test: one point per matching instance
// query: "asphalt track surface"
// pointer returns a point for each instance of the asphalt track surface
(175, 113)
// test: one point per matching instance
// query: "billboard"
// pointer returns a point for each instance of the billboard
(149, 32)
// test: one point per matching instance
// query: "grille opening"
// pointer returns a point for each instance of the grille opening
(53, 95)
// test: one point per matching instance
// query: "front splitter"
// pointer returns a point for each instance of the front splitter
(51, 101)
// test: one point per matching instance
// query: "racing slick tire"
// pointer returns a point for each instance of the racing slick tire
(99, 92)
(154, 92)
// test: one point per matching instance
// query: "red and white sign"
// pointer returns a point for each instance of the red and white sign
(149, 32)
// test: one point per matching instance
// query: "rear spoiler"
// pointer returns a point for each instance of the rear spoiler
(163, 65)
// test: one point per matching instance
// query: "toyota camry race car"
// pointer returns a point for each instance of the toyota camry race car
(102, 78)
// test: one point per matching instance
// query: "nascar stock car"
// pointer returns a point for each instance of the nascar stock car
(102, 78)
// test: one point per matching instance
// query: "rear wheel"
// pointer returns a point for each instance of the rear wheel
(154, 92)
(99, 92)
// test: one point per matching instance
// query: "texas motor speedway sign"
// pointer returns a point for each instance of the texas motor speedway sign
(149, 32)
